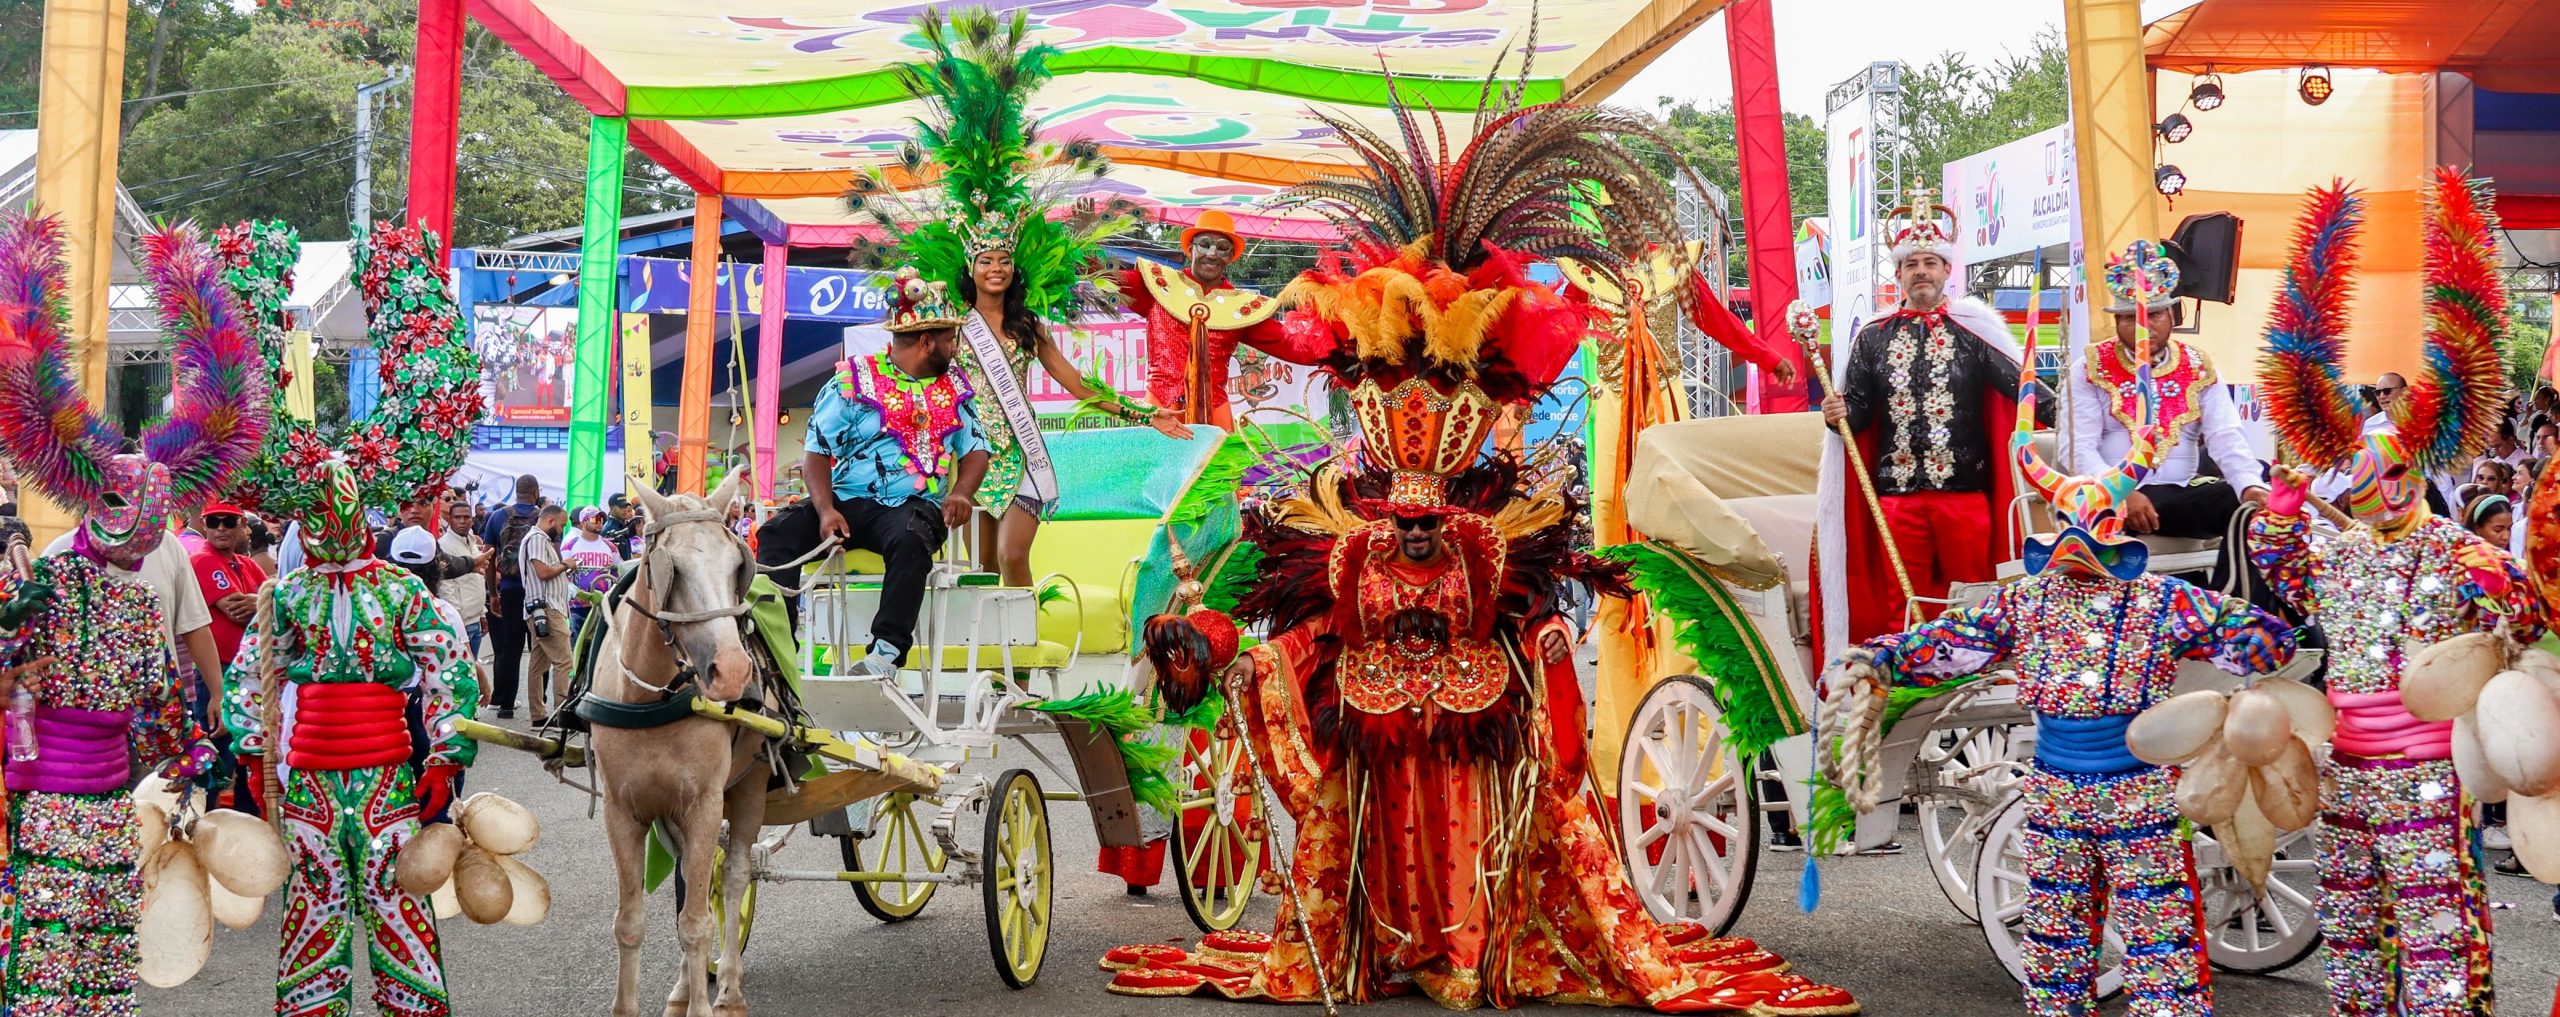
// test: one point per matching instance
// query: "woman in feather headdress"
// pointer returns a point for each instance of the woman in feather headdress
(110, 693)
(2402, 906)
(1416, 709)
(1003, 234)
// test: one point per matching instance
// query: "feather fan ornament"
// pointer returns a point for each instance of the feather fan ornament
(218, 402)
(978, 177)
(2454, 404)
(2302, 372)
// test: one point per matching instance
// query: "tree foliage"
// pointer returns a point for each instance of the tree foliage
(1953, 107)
(1708, 140)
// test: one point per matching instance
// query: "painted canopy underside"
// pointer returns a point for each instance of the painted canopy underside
(2506, 45)
(1200, 103)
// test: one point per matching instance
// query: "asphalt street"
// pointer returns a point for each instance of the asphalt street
(1883, 931)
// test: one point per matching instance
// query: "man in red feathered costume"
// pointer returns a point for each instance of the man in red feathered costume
(1928, 392)
(1195, 318)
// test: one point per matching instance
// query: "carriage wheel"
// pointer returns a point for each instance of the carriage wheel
(1953, 817)
(1687, 813)
(1215, 831)
(2000, 898)
(2257, 934)
(1017, 884)
(905, 845)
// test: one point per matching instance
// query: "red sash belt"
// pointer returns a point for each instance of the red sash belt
(348, 726)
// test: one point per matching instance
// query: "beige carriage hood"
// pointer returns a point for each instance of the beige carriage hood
(1688, 474)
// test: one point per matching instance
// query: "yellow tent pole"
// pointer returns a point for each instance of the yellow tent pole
(79, 105)
(2111, 126)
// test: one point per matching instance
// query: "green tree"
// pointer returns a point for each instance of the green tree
(1709, 142)
(1953, 107)
(2528, 339)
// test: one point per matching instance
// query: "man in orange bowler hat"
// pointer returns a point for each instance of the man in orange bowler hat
(1195, 318)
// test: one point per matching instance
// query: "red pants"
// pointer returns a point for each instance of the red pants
(1944, 536)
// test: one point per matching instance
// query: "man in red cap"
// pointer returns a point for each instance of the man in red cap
(1195, 318)
(228, 576)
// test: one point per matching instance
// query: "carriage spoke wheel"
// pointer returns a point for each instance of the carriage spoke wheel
(2258, 933)
(1214, 833)
(1017, 884)
(904, 844)
(2000, 897)
(1686, 809)
(1954, 816)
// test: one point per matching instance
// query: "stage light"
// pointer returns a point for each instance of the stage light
(786, 417)
(2170, 180)
(560, 279)
(2207, 93)
(2176, 128)
(2315, 88)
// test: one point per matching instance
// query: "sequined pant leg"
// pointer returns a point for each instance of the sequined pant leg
(2096, 844)
(2394, 865)
(344, 830)
(71, 950)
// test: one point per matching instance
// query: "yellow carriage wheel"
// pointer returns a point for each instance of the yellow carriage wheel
(1221, 860)
(1018, 876)
(904, 843)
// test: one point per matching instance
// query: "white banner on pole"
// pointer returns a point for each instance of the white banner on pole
(1813, 269)
(1850, 131)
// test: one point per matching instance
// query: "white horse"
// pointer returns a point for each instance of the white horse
(676, 635)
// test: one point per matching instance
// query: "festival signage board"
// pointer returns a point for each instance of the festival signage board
(1813, 267)
(525, 357)
(665, 286)
(1855, 233)
(2015, 198)
(1112, 350)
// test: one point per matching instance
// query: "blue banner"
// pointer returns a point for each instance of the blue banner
(844, 296)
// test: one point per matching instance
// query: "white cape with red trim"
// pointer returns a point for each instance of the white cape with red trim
(1836, 495)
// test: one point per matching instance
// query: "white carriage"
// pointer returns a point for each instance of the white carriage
(1720, 497)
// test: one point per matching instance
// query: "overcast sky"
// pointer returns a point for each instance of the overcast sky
(1823, 42)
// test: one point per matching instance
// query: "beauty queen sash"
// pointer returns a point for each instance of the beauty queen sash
(1039, 478)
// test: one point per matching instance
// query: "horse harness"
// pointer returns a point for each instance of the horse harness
(681, 690)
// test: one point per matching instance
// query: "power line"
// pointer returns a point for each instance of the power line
(225, 171)
(210, 91)
(306, 167)
(237, 127)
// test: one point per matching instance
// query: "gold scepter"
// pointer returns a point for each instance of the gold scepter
(1802, 323)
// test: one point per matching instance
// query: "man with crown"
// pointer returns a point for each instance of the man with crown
(1195, 317)
(2095, 641)
(2198, 418)
(896, 436)
(1415, 709)
(2403, 909)
(1924, 392)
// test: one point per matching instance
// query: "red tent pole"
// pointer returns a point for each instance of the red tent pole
(1767, 223)
(435, 119)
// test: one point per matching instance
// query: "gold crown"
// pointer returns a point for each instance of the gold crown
(1422, 435)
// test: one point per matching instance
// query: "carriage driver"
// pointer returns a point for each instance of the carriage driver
(896, 434)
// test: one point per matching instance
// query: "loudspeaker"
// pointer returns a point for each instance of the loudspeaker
(2207, 250)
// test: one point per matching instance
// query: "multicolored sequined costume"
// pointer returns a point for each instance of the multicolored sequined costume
(113, 695)
(1192, 334)
(1004, 449)
(2103, 838)
(2402, 906)
(321, 692)
(2095, 641)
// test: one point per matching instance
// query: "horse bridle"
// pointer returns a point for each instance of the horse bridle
(687, 672)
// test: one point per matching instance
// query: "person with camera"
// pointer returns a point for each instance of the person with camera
(546, 604)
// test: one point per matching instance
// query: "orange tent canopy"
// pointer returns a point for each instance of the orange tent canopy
(2503, 45)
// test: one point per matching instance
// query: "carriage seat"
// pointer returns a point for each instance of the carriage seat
(1785, 523)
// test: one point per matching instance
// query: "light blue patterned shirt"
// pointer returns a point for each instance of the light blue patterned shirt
(870, 461)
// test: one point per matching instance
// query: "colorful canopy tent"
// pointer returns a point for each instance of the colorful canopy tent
(2416, 84)
(1199, 103)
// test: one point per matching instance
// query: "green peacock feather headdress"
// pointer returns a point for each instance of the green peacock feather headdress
(977, 177)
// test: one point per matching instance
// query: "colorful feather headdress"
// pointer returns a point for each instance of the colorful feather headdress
(2453, 404)
(977, 178)
(218, 407)
(432, 395)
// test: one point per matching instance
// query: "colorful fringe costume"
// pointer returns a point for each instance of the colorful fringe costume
(70, 895)
(1405, 710)
(2403, 909)
(347, 646)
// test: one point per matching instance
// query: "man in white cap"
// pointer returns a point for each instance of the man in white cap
(1929, 394)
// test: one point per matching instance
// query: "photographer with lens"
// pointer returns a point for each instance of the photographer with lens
(546, 605)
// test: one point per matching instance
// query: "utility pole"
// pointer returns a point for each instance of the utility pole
(363, 197)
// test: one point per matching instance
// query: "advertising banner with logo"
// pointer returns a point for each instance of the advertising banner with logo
(1813, 268)
(664, 286)
(2021, 197)
(1854, 229)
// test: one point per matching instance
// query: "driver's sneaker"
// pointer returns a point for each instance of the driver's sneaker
(877, 665)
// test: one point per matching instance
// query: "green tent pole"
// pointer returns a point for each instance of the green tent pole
(598, 249)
